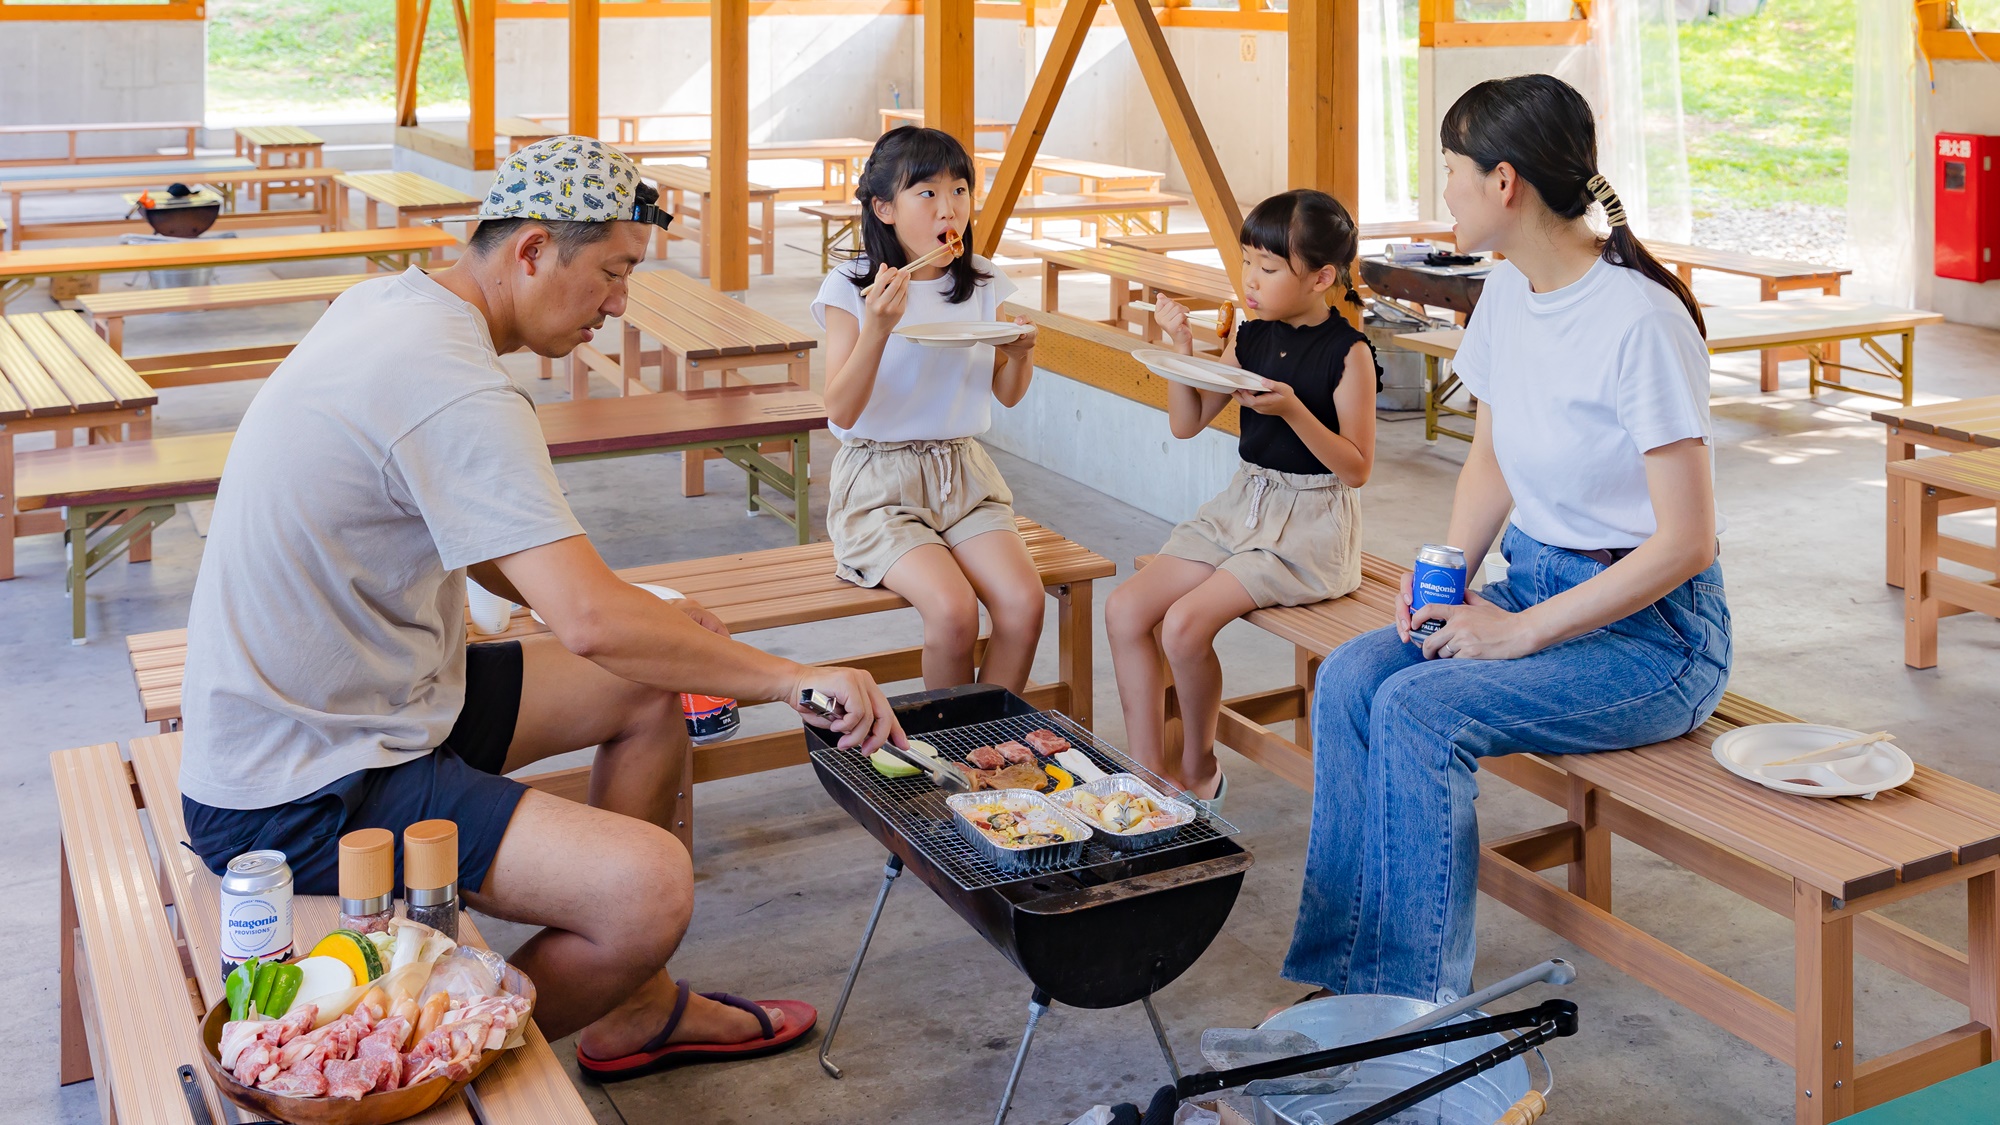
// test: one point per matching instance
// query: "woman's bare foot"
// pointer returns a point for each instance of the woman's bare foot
(634, 1023)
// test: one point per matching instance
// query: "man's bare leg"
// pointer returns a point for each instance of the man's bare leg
(613, 887)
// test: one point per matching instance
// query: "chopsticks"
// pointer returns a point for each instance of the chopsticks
(952, 245)
(1859, 740)
(1224, 316)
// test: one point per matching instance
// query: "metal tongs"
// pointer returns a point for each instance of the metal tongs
(1548, 1020)
(944, 775)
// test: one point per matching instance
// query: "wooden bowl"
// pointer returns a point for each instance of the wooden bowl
(375, 1109)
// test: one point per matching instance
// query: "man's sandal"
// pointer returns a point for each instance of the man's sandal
(658, 1054)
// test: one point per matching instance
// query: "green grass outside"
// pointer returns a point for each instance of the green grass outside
(269, 55)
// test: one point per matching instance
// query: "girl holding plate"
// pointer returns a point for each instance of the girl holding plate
(1287, 530)
(915, 502)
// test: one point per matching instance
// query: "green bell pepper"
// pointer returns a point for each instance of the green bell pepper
(238, 988)
(260, 990)
(285, 981)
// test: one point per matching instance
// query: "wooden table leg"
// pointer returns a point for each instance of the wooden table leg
(628, 359)
(770, 235)
(1982, 903)
(8, 520)
(1073, 643)
(1908, 368)
(140, 428)
(1051, 291)
(79, 568)
(1768, 359)
(802, 487)
(1900, 448)
(1305, 672)
(75, 1061)
(825, 245)
(1590, 875)
(1823, 1008)
(579, 378)
(1431, 399)
(1920, 607)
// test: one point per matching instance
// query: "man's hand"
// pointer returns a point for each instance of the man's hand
(864, 719)
(701, 615)
(1478, 630)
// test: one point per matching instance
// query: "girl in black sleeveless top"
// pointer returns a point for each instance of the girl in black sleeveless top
(1287, 531)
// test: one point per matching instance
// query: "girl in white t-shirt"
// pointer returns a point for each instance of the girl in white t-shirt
(1610, 629)
(915, 502)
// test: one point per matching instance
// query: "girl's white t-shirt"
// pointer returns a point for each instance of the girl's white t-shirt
(1582, 382)
(924, 394)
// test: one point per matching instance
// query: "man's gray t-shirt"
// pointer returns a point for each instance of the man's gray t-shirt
(327, 635)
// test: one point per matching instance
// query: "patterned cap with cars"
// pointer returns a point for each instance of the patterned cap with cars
(568, 179)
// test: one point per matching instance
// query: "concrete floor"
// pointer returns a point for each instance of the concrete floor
(786, 880)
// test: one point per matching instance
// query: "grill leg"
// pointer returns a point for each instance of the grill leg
(1038, 1005)
(890, 870)
(1160, 1034)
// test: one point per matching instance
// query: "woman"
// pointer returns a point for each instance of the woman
(1610, 630)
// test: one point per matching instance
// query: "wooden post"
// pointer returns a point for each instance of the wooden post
(1206, 182)
(1823, 1008)
(948, 68)
(583, 39)
(1323, 104)
(728, 226)
(1026, 142)
(479, 83)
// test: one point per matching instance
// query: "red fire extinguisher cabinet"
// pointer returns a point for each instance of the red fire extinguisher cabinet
(1968, 206)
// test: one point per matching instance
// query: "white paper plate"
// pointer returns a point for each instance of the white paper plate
(664, 593)
(1194, 371)
(1879, 766)
(962, 333)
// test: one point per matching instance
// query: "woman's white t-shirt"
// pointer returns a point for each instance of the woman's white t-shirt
(924, 394)
(1582, 382)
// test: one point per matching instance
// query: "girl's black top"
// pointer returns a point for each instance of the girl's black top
(1311, 361)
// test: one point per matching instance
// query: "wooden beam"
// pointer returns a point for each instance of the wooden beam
(583, 42)
(412, 17)
(1040, 106)
(1323, 98)
(948, 68)
(479, 85)
(1206, 182)
(729, 157)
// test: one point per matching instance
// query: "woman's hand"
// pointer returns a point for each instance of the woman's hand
(1477, 630)
(1276, 399)
(1403, 625)
(883, 307)
(1172, 317)
(1022, 349)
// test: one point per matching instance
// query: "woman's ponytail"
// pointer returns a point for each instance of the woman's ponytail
(1541, 126)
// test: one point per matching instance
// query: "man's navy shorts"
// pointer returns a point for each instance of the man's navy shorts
(460, 781)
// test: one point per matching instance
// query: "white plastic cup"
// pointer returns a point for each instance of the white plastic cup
(490, 611)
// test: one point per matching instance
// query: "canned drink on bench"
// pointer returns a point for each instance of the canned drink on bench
(1437, 579)
(710, 718)
(256, 909)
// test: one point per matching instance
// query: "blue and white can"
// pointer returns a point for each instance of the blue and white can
(1437, 579)
(256, 909)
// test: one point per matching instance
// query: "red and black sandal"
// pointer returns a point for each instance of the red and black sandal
(658, 1054)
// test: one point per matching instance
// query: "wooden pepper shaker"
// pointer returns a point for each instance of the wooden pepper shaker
(430, 875)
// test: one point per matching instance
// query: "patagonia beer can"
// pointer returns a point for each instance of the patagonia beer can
(710, 718)
(256, 909)
(1438, 579)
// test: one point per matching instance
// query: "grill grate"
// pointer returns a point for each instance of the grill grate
(915, 809)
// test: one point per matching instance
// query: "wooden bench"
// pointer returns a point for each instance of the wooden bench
(110, 494)
(688, 190)
(894, 118)
(1958, 426)
(408, 198)
(520, 132)
(1090, 175)
(1136, 274)
(840, 160)
(75, 131)
(238, 188)
(1121, 211)
(837, 222)
(1774, 276)
(281, 146)
(1827, 864)
(392, 248)
(1427, 229)
(1925, 488)
(55, 375)
(703, 336)
(107, 312)
(137, 977)
(628, 124)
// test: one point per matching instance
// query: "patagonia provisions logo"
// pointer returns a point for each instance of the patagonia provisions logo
(253, 926)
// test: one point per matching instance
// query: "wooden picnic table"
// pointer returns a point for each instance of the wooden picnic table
(108, 494)
(73, 131)
(1774, 276)
(236, 186)
(629, 124)
(1090, 175)
(392, 248)
(1805, 322)
(281, 146)
(1959, 426)
(1927, 487)
(57, 375)
(891, 118)
(840, 161)
(109, 311)
(1122, 211)
(520, 132)
(406, 196)
(687, 191)
(837, 221)
(1154, 275)
(1425, 229)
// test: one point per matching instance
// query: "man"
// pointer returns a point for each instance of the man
(329, 687)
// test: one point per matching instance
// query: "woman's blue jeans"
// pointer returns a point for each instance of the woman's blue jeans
(1392, 867)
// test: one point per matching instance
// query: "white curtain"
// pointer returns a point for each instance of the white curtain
(1641, 147)
(1385, 157)
(1882, 156)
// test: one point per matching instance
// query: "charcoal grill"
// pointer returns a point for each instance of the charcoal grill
(1108, 930)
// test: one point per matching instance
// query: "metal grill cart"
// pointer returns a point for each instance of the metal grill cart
(1109, 929)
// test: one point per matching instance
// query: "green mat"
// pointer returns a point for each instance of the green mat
(1972, 1098)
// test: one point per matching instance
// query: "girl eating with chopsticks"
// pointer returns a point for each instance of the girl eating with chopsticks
(915, 502)
(1287, 530)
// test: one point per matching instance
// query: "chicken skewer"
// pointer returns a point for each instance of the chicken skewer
(953, 245)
